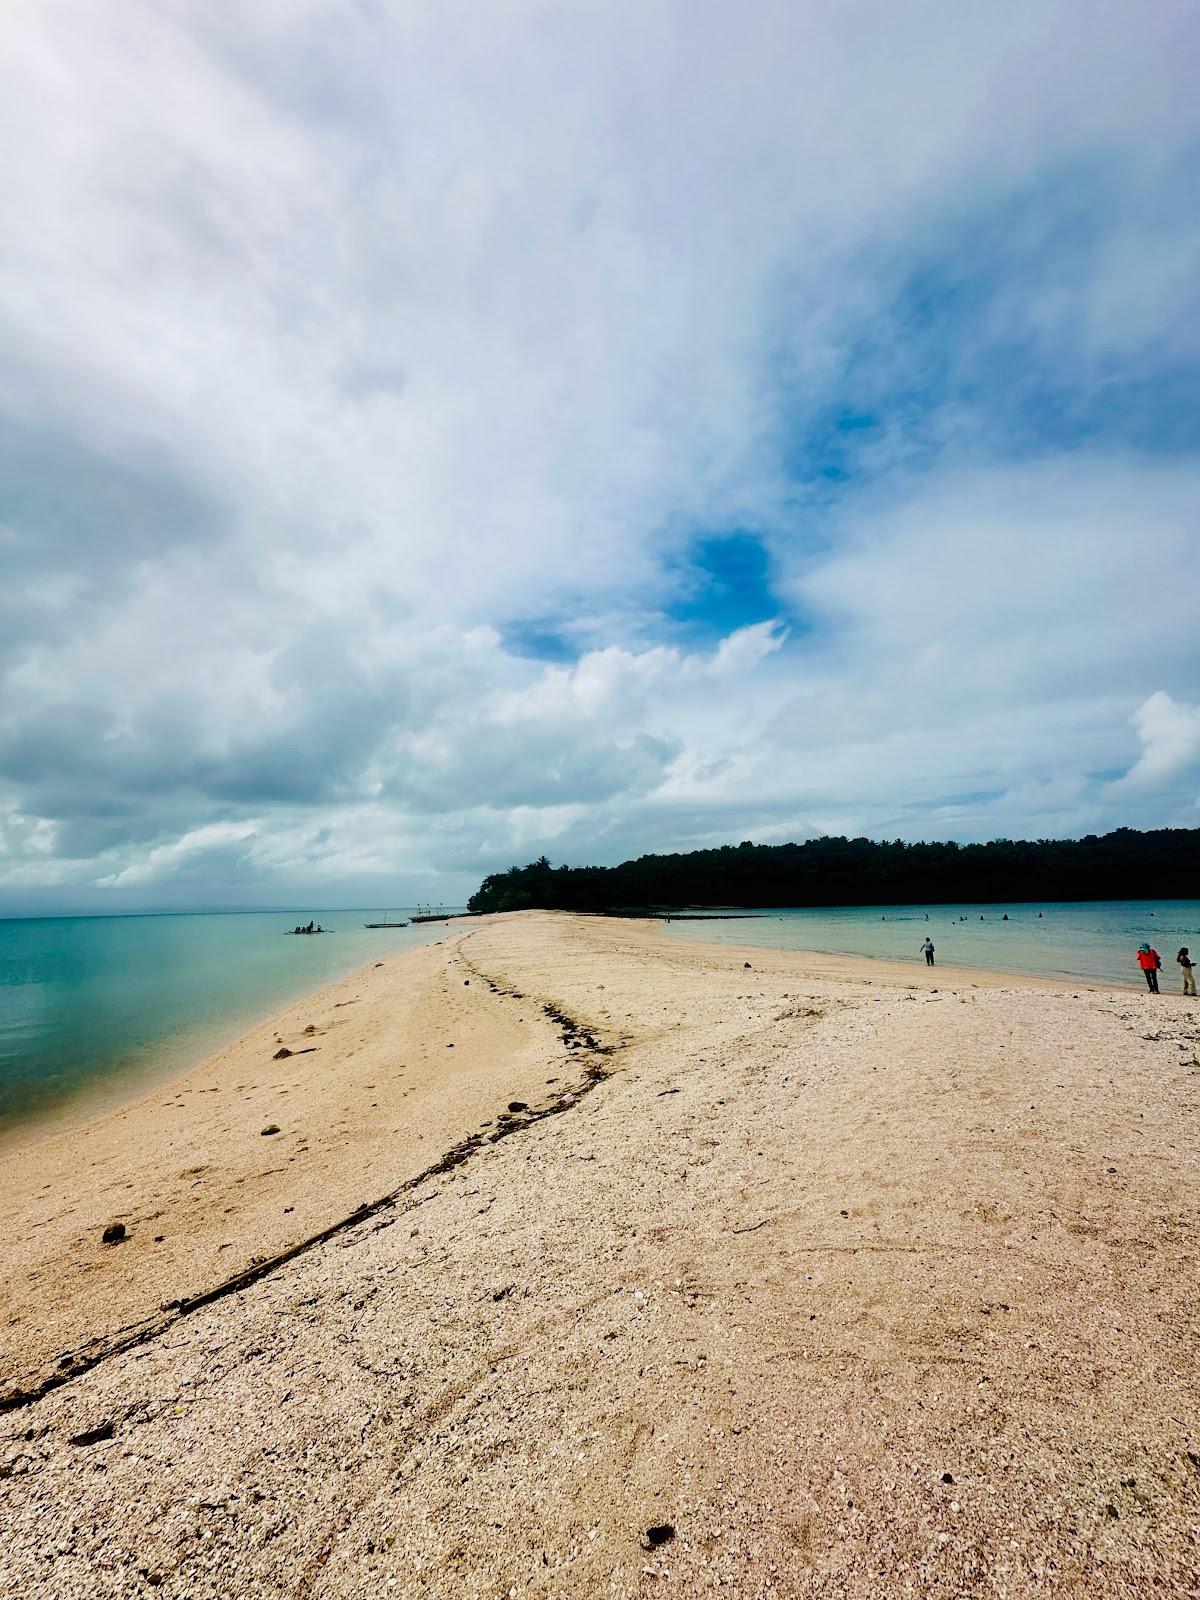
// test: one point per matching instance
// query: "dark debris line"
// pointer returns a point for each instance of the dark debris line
(73, 1364)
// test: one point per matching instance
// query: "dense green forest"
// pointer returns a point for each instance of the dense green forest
(1124, 865)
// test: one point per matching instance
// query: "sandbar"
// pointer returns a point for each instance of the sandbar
(788, 1275)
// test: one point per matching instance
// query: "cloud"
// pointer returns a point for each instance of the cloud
(431, 433)
(1043, 581)
(164, 859)
(1170, 734)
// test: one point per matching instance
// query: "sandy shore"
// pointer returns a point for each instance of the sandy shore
(388, 1069)
(845, 1278)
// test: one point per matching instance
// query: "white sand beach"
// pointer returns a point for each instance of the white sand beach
(785, 1275)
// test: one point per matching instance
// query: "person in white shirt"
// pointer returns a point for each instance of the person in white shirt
(1189, 973)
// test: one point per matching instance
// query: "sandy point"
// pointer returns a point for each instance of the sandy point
(586, 1260)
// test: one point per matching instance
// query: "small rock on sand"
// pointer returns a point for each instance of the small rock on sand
(114, 1233)
(658, 1534)
(281, 1054)
(271, 1127)
(96, 1435)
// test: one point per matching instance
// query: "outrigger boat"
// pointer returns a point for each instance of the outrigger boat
(385, 924)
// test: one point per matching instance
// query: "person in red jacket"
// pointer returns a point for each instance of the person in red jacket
(1149, 961)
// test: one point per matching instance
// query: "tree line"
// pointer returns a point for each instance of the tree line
(1162, 863)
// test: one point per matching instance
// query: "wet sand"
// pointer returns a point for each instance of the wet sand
(812, 1277)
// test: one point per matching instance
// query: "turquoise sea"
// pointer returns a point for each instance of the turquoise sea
(104, 1004)
(1092, 941)
(92, 1008)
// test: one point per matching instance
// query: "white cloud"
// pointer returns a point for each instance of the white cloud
(335, 338)
(1170, 734)
(164, 859)
(742, 651)
(1039, 582)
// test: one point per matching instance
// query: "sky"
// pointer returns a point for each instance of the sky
(435, 434)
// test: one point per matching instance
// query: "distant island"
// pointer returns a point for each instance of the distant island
(1163, 863)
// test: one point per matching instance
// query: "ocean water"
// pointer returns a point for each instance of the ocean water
(1092, 941)
(92, 1008)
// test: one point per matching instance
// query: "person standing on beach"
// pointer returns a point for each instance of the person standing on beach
(1149, 960)
(1189, 975)
(927, 947)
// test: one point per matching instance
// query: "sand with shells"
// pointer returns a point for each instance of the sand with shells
(810, 1277)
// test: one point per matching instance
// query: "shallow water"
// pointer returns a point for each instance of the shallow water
(102, 1004)
(1093, 941)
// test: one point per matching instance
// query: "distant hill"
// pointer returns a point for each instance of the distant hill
(1124, 865)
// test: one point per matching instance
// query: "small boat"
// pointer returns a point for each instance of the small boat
(385, 924)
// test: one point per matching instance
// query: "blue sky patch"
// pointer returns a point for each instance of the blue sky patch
(722, 582)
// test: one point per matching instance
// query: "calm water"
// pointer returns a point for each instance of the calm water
(105, 1003)
(1093, 942)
